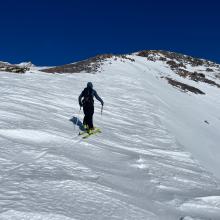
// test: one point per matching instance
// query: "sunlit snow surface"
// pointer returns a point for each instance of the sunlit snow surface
(155, 158)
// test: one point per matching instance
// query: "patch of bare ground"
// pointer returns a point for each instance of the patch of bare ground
(5, 67)
(91, 65)
(195, 76)
(178, 58)
(184, 87)
(177, 62)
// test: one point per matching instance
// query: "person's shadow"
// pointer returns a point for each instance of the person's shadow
(76, 121)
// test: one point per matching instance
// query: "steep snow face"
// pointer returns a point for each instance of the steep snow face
(156, 157)
(192, 119)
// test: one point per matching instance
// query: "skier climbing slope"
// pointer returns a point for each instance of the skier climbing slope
(88, 106)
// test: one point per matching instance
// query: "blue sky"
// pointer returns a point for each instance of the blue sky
(54, 32)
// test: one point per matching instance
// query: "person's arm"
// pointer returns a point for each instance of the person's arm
(80, 99)
(98, 98)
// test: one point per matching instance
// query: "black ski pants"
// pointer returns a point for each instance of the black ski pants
(88, 118)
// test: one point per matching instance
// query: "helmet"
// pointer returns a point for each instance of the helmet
(89, 85)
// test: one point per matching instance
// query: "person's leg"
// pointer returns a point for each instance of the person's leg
(86, 116)
(85, 120)
(90, 117)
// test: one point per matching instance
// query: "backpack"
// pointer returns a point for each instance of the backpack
(88, 97)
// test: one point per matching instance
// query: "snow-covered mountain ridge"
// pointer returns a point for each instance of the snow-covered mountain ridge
(156, 158)
(183, 65)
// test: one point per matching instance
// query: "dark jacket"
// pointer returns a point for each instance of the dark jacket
(92, 93)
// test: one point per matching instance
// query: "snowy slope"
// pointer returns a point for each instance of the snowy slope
(156, 158)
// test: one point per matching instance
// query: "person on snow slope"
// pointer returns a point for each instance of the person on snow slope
(87, 102)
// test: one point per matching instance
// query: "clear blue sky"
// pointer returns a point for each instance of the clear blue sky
(54, 32)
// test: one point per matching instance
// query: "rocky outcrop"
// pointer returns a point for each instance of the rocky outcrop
(195, 76)
(177, 59)
(89, 65)
(179, 62)
(7, 67)
(183, 86)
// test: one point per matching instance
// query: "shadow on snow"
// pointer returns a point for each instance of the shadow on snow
(76, 121)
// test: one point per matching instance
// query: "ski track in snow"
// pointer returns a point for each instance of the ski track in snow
(134, 169)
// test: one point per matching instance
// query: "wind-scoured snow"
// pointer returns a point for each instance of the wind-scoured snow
(155, 159)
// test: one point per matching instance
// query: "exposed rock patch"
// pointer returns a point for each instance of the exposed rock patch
(195, 76)
(90, 65)
(183, 86)
(178, 58)
(209, 70)
(177, 62)
(6, 67)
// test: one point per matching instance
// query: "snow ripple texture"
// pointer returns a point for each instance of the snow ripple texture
(137, 168)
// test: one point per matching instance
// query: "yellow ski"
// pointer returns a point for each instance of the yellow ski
(91, 132)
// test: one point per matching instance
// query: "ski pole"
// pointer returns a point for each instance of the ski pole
(101, 109)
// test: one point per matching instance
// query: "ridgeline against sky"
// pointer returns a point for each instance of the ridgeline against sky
(54, 32)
